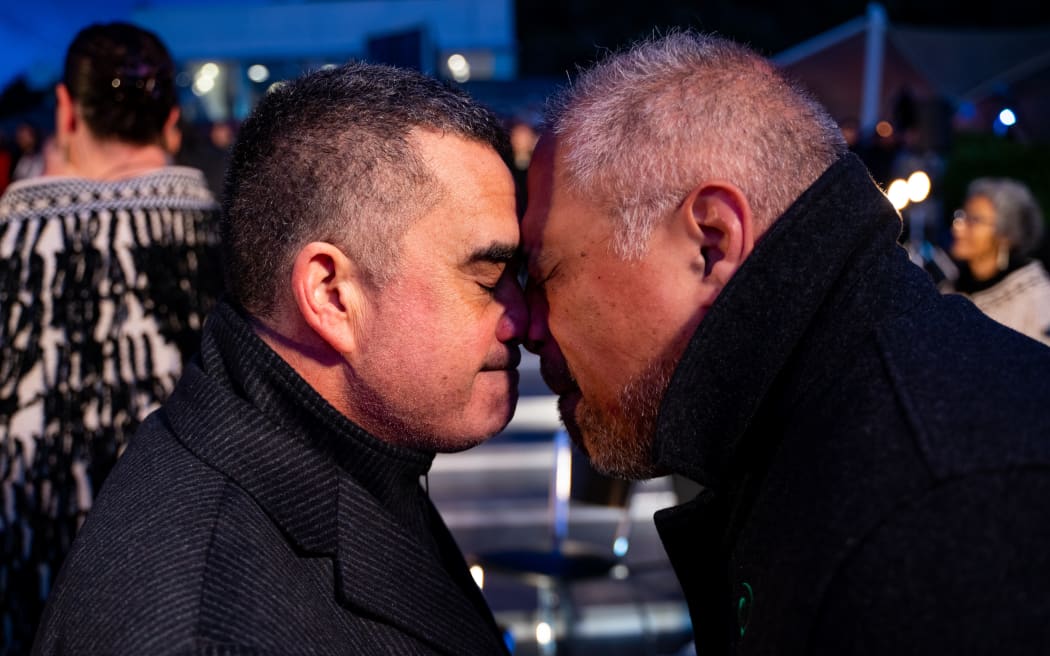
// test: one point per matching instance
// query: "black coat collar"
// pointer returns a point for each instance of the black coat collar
(329, 485)
(751, 331)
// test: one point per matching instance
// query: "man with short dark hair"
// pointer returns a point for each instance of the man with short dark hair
(274, 504)
(716, 290)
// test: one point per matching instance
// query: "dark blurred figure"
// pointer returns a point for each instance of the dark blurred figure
(105, 276)
(6, 162)
(29, 156)
(523, 137)
(994, 236)
(878, 150)
(207, 148)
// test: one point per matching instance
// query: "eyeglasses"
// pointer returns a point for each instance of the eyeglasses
(961, 217)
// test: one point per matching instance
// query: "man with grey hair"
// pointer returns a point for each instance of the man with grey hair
(716, 290)
(273, 505)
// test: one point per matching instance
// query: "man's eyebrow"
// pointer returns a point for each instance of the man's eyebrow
(538, 262)
(495, 252)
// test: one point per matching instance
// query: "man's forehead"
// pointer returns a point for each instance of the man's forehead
(555, 211)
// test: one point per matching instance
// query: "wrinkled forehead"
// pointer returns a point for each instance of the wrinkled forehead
(558, 219)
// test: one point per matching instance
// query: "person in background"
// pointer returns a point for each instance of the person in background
(993, 237)
(108, 269)
(717, 290)
(373, 318)
(29, 162)
(207, 147)
(6, 162)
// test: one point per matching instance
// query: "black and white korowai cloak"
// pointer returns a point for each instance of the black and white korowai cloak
(103, 289)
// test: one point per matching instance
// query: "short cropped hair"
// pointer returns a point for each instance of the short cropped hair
(642, 127)
(122, 78)
(1018, 218)
(326, 157)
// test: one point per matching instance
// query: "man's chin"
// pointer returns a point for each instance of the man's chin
(615, 446)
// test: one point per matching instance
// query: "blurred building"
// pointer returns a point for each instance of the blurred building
(231, 54)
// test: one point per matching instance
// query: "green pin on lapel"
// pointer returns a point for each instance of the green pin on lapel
(743, 607)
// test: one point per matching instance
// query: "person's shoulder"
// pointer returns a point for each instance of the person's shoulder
(152, 510)
(182, 186)
(1035, 274)
(137, 565)
(27, 198)
(974, 391)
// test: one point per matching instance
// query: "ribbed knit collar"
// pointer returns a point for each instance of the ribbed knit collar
(295, 420)
(808, 259)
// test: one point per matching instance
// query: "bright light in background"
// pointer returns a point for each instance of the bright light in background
(898, 194)
(258, 73)
(918, 186)
(884, 129)
(1007, 117)
(479, 576)
(209, 70)
(459, 67)
(563, 477)
(204, 80)
(203, 85)
(544, 633)
(620, 546)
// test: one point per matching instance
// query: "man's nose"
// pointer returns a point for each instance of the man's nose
(538, 332)
(513, 325)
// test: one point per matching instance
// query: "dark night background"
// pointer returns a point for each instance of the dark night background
(555, 36)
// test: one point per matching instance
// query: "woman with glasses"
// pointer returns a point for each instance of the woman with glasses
(994, 233)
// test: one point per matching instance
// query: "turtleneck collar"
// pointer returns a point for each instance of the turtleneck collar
(809, 258)
(332, 488)
(302, 422)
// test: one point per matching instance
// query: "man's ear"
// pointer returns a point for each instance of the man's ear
(171, 135)
(329, 292)
(720, 224)
(65, 115)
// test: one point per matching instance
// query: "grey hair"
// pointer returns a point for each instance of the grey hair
(644, 126)
(1018, 218)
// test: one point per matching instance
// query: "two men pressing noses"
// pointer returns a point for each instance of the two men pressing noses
(715, 289)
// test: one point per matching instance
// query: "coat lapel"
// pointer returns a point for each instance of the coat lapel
(692, 536)
(386, 573)
(289, 480)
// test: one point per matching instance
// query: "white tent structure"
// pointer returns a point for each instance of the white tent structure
(860, 68)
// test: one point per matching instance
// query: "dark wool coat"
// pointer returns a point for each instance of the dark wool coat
(875, 456)
(248, 516)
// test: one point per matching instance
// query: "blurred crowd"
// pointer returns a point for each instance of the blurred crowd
(31, 151)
